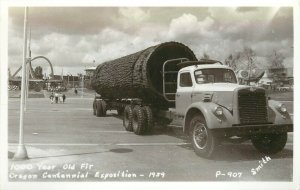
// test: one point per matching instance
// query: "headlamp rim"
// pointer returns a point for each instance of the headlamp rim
(217, 111)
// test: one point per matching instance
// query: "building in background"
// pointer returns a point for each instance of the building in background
(89, 73)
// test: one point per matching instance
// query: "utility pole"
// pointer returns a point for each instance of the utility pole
(21, 153)
(82, 85)
(250, 60)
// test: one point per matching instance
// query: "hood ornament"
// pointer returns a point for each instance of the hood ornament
(252, 89)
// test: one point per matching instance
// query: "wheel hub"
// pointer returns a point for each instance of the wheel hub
(200, 135)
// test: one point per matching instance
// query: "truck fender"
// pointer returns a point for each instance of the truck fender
(206, 109)
(275, 115)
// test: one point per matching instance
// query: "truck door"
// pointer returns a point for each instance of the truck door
(184, 92)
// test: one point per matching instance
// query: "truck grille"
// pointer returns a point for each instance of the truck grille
(252, 106)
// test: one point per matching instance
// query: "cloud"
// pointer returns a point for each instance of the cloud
(74, 37)
(246, 9)
(188, 25)
(69, 20)
(131, 17)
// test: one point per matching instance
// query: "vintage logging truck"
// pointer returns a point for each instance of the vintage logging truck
(166, 82)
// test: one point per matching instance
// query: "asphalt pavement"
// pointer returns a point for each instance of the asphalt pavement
(66, 142)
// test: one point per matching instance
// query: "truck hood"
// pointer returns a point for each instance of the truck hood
(220, 93)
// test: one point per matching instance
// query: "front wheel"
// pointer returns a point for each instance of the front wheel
(271, 143)
(204, 141)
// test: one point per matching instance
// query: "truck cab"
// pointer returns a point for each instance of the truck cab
(200, 83)
(215, 108)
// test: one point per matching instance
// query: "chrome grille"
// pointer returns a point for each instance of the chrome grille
(252, 105)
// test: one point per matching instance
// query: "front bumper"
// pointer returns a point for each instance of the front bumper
(242, 130)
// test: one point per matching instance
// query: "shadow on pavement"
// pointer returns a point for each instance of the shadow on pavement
(116, 150)
(228, 151)
(63, 155)
(121, 150)
(241, 152)
(225, 152)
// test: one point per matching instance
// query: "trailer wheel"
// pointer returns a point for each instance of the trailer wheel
(149, 119)
(120, 111)
(98, 108)
(271, 143)
(104, 106)
(204, 141)
(127, 119)
(94, 107)
(139, 120)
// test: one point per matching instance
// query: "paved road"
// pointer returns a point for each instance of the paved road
(65, 142)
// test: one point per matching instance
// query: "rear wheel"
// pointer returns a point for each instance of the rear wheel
(271, 143)
(94, 107)
(120, 111)
(139, 120)
(149, 119)
(104, 107)
(98, 108)
(203, 139)
(127, 119)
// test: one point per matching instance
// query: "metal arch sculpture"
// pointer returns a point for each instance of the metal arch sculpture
(31, 69)
(37, 57)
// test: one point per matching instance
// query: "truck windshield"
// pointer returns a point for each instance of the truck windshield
(215, 75)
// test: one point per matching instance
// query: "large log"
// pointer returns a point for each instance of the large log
(138, 75)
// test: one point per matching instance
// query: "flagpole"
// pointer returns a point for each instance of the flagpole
(28, 61)
(21, 153)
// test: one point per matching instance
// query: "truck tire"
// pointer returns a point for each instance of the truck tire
(120, 111)
(98, 108)
(139, 120)
(94, 107)
(204, 141)
(149, 119)
(127, 119)
(104, 107)
(271, 143)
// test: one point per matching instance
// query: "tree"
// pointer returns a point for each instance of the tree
(276, 67)
(231, 61)
(243, 60)
(276, 60)
(38, 72)
(205, 56)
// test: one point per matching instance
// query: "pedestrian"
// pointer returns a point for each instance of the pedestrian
(60, 98)
(64, 98)
(56, 97)
(52, 98)
(75, 91)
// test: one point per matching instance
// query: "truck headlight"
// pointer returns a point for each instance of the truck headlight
(219, 111)
(282, 108)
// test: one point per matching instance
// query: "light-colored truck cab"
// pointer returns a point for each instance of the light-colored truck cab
(204, 82)
(214, 108)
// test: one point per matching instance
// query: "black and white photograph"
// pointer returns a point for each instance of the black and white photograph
(113, 94)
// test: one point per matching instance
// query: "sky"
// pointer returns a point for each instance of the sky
(72, 38)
